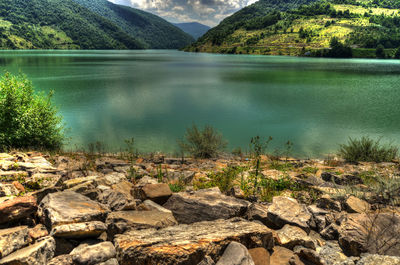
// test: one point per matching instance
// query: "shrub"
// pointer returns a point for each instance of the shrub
(203, 144)
(367, 150)
(27, 120)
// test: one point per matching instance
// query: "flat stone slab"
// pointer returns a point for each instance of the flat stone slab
(92, 253)
(69, 207)
(119, 222)
(12, 239)
(79, 230)
(189, 244)
(205, 205)
(36, 254)
(17, 208)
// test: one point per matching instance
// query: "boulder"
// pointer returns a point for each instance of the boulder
(372, 233)
(92, 252)
(260, 256)
(148, 205)
(332, 254)
(37, 232)
(12, 239)
(8, 190)
(207, 261)
(291, 236)
(79, 230)
(285, 210)
(309, 256)
(319, 216)
(189, 244)
(69, 207)
(37, 254)
(370, 259)
(356, 205)
(205, 205)
(158, 193)
(236, 254)
(327, 203)
(284, 256)
(109, 262)
(17, 208)
(119, 222)
(61, 260)
(117, 201)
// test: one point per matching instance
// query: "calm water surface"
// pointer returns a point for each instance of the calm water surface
(153, 96)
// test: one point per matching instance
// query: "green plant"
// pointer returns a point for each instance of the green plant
(310, 170)
(224, 179)
(130, 150)
(277, 165)
(257, 148)
(274, 187)
(367, 150)
(288, 149)
(27, 120)
(177, 187)
(202, 144)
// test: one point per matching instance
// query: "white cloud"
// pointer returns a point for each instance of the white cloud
(209, 12)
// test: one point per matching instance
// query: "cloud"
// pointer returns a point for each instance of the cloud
(209, 12)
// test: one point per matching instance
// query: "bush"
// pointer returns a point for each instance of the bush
(203, 144)
(27, 120)
(367, 150)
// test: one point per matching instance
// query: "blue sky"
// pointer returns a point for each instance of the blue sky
(208, 12)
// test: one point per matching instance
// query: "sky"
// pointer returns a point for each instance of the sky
(208, 12)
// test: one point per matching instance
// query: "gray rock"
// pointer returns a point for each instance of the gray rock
(370, 259)
(17, 208)
(236, 254)
(207, 261)
(332, 254)
(70, 207)
(8, 190)
(205, 205)
(150, 205)
(291, 236)
(189, 244)
(91, 253)
(355, 205)
(119, 222)
(36, 254)
(79, 230)
(12, 239)
(117, 201)
(158, 193)
(327, 203)
(61, 260)
(109, 262)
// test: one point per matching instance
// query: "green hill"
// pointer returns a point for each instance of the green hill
(68, 24)
(290, 28)
(196, 30)
(153, 31)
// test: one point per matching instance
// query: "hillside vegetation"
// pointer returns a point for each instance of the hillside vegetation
(367, 28)
(68, 24)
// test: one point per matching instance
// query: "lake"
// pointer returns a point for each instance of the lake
(153, 96)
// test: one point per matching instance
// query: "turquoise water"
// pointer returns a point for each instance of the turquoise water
(110, 96)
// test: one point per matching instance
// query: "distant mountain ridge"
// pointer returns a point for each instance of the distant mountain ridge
(195, 29)
(83, 24)
(332, 28)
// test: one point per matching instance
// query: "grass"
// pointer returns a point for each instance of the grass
(366, 149)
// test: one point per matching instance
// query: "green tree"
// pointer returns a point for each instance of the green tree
(380, 51)
(27, 120)
(397, 54)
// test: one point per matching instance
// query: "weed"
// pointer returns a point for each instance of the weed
(257, 148)
(310, 170)
(224, 180)
(281, 166)
(368, 150)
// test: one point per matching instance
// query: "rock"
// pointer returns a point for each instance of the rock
(79, 230)
(341, 180)
(260, 256)
(146, 180)
(369, 259)
(70, 207)
(119, 222)
(207, 261)
(236, 254)
(327, 203)
(309, 256)
(17, 208)
(332, 254)
(37, 232)
(331, 232)
(115, 178)
(284, 210)
(8, 190)
(319, 216)
(124, 187)
(189, 244)
(12, 239)
(372, 233)
(148, 205)
(204, 205)
(117, 201)
(91, 253)
(64, 246)
(37, 254)
(158, 193)
(61, 260)
(291, 236)
(356, 205)
(109, 262)
(284, 256)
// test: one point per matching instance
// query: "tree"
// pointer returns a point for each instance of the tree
(397, 54)
(380, 51)
(27, 120)
(338, 49)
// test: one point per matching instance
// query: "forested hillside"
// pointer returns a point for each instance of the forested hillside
(68, 24)
(153, 31)
(196, 30)
(336, 28)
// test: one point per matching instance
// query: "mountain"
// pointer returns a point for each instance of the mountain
(153, 31)
(194, 29)
(308, 28)
(69, 24)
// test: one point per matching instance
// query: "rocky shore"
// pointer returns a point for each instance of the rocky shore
(94, 209)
